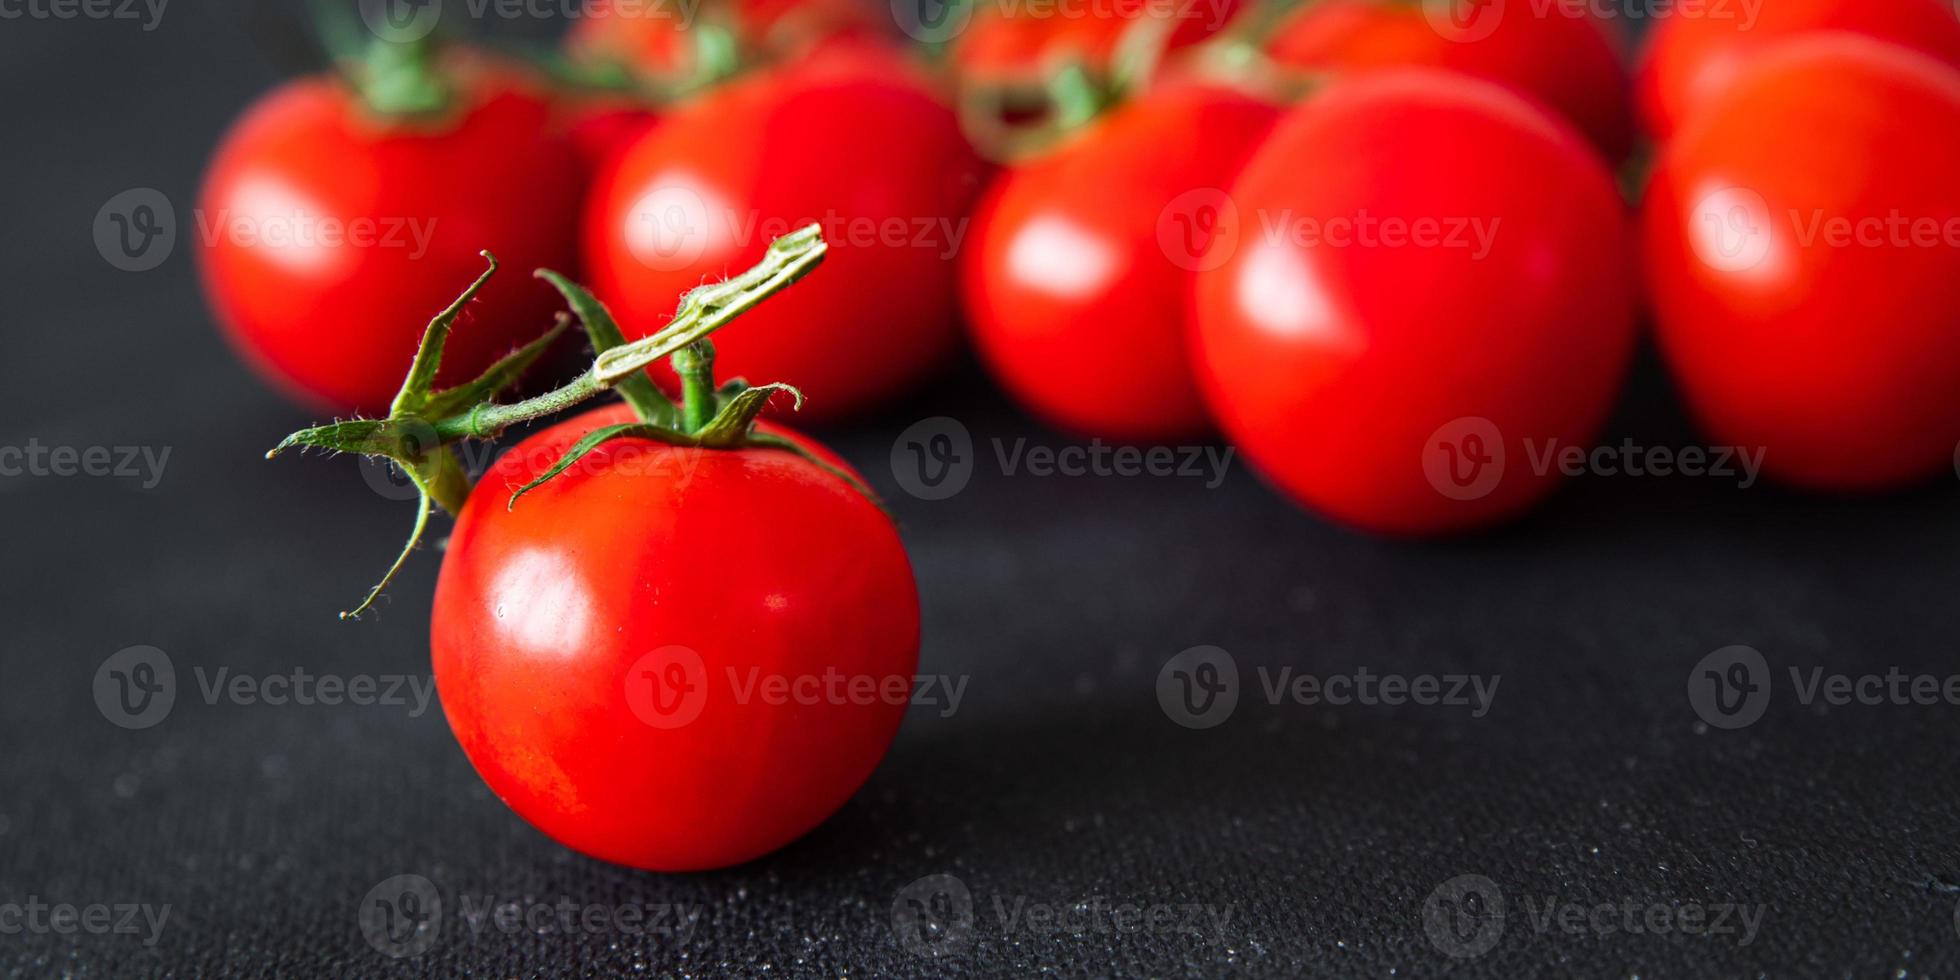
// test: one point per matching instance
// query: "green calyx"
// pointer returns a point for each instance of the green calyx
(423, 423)
(391, 66)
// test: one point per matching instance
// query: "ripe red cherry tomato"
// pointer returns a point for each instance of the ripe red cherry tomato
(1562, 55)
(1690, 58)
(1078, 276)
(1802, 238)
(604, 651)
(848, 139)
(327, 236)
(1428, 266)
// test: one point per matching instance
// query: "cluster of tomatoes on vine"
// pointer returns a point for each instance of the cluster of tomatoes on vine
(1128, 207)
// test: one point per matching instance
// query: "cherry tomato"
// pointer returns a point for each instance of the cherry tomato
(673, 658)
(1802, 238)
(1567, 58)
(1078, 277)
(328, 237)
(848, 139)
(1428, 289)
(1692, 56)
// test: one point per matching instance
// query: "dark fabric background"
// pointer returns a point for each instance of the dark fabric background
(1059, 782)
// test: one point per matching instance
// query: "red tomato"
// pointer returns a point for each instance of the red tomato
(605, 650)
(846, 140)
(1562, 55)
(327, 238)
(1690, 58)
(1078, 275)
(1430, 288)
(1803, 255)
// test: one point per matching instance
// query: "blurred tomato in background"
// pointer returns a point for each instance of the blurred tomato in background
(336, 229)
(1803, 256)
(1564, 56)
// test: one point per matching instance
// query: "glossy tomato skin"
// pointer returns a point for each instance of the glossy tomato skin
(1347, 363)
(332, 314)
(752, 564)
(850, 139)
(1562, 55)
(1802, 240)
(1690, 59)
(1078, 274)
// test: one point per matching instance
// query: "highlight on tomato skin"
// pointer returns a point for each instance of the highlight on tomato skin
(726, 568)
(333, 233)
(1815, 318)
(1350, 355)
(1691, 58)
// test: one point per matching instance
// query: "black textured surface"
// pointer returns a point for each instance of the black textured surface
(1321, 831)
